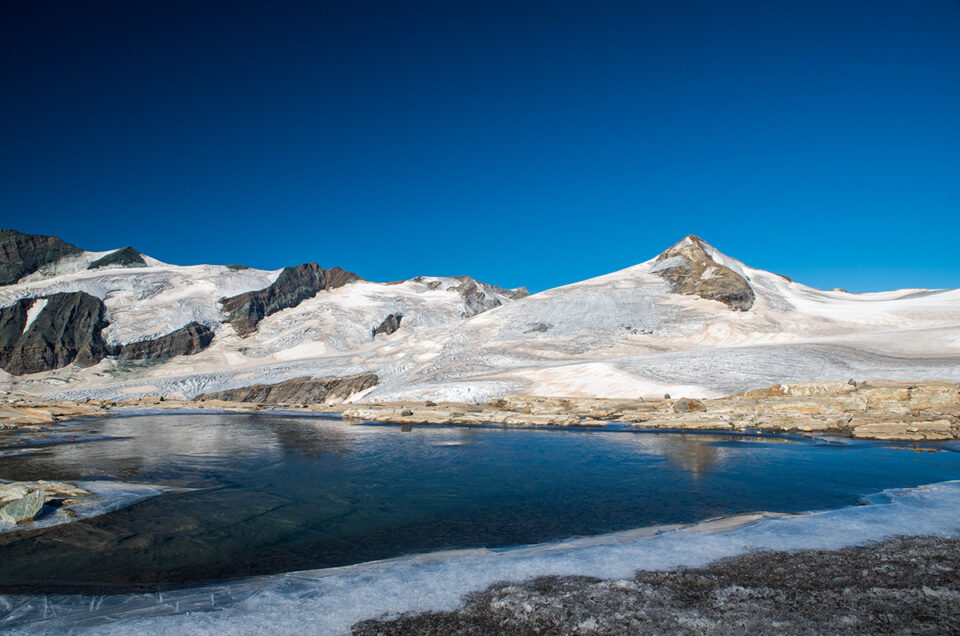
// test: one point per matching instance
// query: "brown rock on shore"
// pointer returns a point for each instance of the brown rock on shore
(921, 411)
(876, 410)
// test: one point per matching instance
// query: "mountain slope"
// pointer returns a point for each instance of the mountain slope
(689, 321)
(210, 317)
(630, 333)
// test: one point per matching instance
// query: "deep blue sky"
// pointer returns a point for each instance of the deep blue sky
(523, 143)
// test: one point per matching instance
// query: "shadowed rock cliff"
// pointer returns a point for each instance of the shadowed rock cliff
(126, 257)
(182, 342)
(390, 324)
(23, 254)
(299, 390)
(65, 328)
(293, 286)
(692, 271)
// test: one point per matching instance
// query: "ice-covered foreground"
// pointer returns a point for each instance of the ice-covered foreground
(330, 601)
(625, 334)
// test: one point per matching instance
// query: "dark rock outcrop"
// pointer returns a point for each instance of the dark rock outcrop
(539, 327)
(23, 254)
(390, 324)
(126, 257)
(472, 292)
(512, 294)
(692, 271)
(66, 330)
(185, 341)
(293, 286)
(299, 390)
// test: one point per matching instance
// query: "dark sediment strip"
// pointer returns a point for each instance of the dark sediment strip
(909, 586)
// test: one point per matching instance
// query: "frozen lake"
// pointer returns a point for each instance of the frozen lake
(249, 495)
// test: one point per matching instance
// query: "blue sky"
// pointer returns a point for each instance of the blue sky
(523, 143)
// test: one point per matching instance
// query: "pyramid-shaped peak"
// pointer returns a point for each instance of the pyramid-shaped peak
(691, 240)
(691, 246)
(695, 267)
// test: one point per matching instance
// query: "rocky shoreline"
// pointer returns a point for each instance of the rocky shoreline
(880, 410)
(907, 585)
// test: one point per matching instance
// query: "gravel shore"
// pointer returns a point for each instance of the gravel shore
(906, 586)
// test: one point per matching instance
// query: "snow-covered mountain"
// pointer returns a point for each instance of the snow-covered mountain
(690, 321)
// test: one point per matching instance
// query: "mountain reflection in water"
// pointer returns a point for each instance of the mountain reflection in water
(272, 493)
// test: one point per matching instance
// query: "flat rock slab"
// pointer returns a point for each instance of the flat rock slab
(23, 509)
(13, 490)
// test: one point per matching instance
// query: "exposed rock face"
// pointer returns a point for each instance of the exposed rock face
(23, 254)
(182, 342)
(685, 405)
(24, 509)
(477, 301)
(299, 390)
(923, 411)
(126, 257)
(293, 286)
(66, 329)
(52, 491)
(512, 294)
(390, 324)
(691, 270)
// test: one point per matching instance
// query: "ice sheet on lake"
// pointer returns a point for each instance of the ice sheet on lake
(108, 496)
(330, 601)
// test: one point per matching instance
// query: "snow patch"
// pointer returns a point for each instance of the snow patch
(667, 263)
(35, 308)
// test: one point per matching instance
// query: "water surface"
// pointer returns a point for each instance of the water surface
(269, 493)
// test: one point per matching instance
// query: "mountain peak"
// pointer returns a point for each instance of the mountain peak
(689, 240)
(22, 254)
(124, 257)
(692, 269)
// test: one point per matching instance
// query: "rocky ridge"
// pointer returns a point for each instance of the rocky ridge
(185, 341)
(692, 270)
(298, 390)
(23, 254)
(294, 285)
(125, 257)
